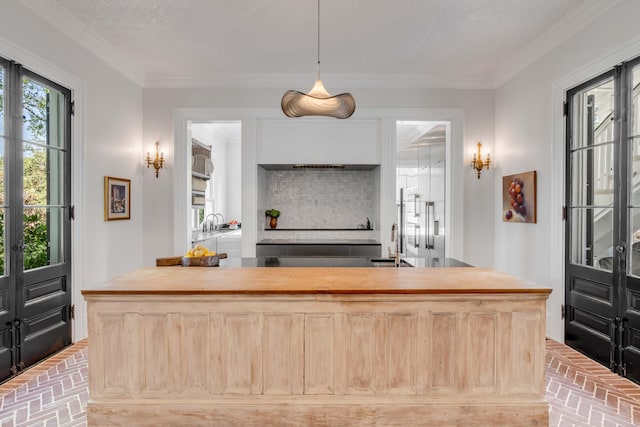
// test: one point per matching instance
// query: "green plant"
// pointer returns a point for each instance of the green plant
(273, 213)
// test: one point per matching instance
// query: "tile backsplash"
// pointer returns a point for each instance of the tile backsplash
(321, 199)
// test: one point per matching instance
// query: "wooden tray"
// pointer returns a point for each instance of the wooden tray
(203, 261)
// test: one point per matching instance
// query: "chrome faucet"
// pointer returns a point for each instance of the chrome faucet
(394, 238)
(220, 218)
(211, 223)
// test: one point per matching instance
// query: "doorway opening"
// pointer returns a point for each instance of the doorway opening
(216, 183)
(421, 186)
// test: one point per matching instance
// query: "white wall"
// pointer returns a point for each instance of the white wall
(160, 105)
(107, 140)
(529, 137)
(234, 182)
(221, 171)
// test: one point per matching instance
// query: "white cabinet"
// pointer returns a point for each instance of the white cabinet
(318, 141)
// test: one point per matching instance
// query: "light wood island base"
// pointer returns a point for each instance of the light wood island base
(317, 347)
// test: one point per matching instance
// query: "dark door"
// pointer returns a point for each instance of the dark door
(36, 221)
(629, 317)
(591, 220)
(603, 220)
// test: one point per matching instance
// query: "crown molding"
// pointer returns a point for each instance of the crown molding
(504, 71)
(562, 30)
(305, 82)
(85, 37)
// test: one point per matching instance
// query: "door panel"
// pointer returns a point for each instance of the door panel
(590, 314)
(603, 229)
(7, 283)
(44, 297)
(35, 296)
(591, 297)
(630, 284)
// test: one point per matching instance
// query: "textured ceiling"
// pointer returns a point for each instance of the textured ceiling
(190, 42)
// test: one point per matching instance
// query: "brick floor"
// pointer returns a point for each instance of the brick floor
(580, 392)
(51, 393)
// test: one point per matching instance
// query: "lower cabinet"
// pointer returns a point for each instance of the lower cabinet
(337, 250)
(229, 243)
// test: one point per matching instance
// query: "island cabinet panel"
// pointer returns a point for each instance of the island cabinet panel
(444, 353)
(155, 353)
(241, 344)
(283, 353)
(523, 358)
(398, 353)
(317, 359)
(319, 354)
(482, 340)
(360, 352)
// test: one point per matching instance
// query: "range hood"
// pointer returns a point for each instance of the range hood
(317, 166)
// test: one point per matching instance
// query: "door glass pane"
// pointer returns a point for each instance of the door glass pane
(43, 175)
(43, 232)
(592, 176)
(634, 138)
(3, 245)
(4, 261)
(2, 101)
(634, 120)
(633, 267)
(591, 239)
(3, 216)
(42, 113)
(592, 118)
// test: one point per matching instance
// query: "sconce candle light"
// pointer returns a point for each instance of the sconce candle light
(477, 164)
(158, 161)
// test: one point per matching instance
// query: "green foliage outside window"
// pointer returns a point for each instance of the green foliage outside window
(35, 232)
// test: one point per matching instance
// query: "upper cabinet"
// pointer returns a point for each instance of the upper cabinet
(318, 141)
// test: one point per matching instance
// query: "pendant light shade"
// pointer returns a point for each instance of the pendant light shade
(318, 102)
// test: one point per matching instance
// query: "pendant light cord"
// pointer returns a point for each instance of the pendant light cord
(318, 66)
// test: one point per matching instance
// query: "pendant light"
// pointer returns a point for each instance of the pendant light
(318, 102)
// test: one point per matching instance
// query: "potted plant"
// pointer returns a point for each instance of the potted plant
(273, 214)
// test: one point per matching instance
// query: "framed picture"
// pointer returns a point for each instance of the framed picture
(117, 198)
(519, 197)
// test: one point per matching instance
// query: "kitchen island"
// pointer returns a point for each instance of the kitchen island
(316, 346)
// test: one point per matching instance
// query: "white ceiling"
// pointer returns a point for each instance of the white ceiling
(374, 43)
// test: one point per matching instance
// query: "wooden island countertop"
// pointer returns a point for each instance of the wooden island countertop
(293, 346)
(291, 280)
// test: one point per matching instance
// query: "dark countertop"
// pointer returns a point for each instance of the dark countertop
(318, 242)
(334, 262)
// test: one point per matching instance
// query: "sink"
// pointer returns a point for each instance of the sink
(388, 262)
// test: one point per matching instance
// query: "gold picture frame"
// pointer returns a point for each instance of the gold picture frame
(117, 198)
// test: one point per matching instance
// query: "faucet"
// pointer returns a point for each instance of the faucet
(211, 223)
(395, 238)
(220, 217)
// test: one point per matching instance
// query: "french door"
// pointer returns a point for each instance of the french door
(602, 261)
(35, 231)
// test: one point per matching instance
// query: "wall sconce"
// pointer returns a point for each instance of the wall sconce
(158, 161)
(477, 164)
